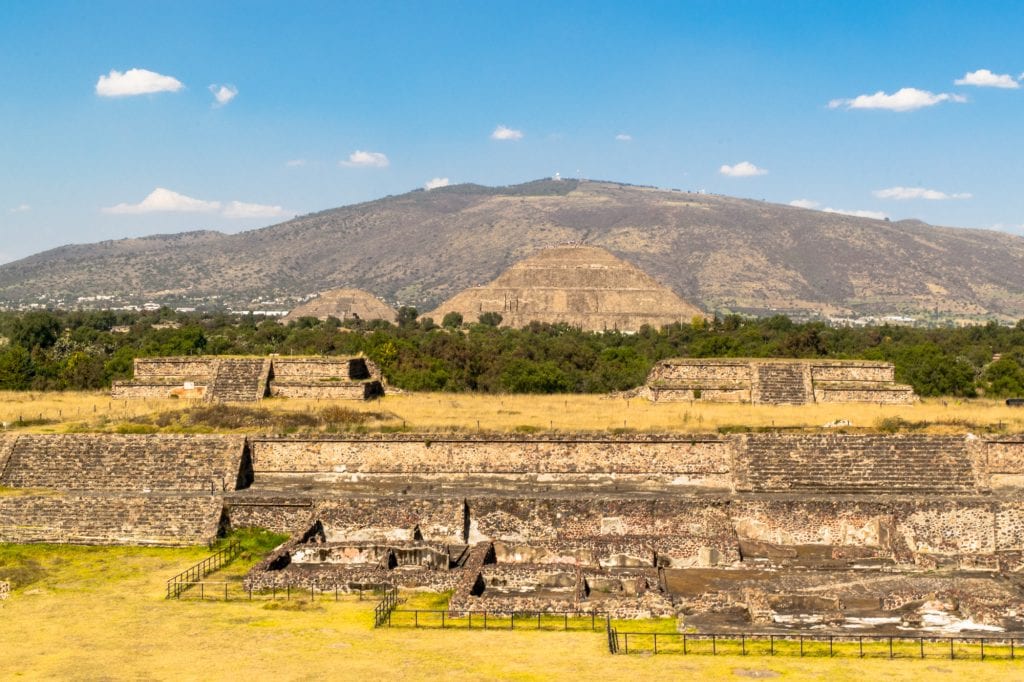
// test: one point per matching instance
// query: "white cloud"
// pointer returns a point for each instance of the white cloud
(135, 82)
(295, 163)
(165, 200)
(162, 200)
(505, 133)
(223, 94)
(874, 215)
(435, 183)
(624, 137)
(917, 193)
(20, 208)
(904, 99)
(361, 159)
(743, 169)
(804, 203)
(238, 209)
(983, 78)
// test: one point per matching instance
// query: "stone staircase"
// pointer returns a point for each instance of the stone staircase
(124, 463)
(110, 519)
(781, 384)
(239, 380)
(855, 464)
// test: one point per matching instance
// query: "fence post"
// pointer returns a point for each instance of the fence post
(1011, 648)
(655, 642)
(566, 617)
(225, 591)
(442, 620)
(771, 645)
(626, 634)
(801, 646)
(485, 619)
(922, 647)
(743, 644)
(982, 648)
(684, 643)
(860, 640)
(714, 650)
(538, 620)
(890, 646)
(830, 646)
(951, 655)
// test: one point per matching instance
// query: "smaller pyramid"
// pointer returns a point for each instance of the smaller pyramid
(344, 304)
(582, 286)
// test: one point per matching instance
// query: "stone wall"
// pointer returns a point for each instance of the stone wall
(776, 381)
(139, 463)
(838, 463)
(164, 520)
(177, 367)
(430, 454)
(229, 379)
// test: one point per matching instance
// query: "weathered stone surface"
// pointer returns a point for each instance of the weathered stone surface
(582, 286)
(251, 379)
(776, 382)
(344, 304)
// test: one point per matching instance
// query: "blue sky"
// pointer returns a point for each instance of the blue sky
(110, 125)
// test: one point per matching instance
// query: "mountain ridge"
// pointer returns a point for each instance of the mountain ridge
(422, 247)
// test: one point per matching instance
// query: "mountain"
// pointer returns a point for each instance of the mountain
(583, 286)
(420, 248)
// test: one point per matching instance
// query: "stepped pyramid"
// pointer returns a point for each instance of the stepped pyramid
(344, 304)
(583, 286)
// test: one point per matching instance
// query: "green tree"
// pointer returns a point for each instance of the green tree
(490, 319)
(452, 320)
(1004, 378)
(16, 368)
(39, 329)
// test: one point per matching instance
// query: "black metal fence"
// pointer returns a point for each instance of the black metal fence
(387, 604)
(194, 574)
(223, 590)
(582, 621)
(821, 645)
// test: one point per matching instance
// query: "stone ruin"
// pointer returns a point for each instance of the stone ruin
(582, 286)
(344, 304)
(776, 382)
(218, 379)
(858, 533)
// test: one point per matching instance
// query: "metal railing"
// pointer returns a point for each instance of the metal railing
(194, 574)
(819, 645)
(227, 590)
(495, 620)
(387, 604)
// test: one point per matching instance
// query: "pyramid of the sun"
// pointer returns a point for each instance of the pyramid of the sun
(344, 304)
(583, 286)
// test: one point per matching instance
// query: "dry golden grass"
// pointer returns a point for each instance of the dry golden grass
(95, 411)
(98, 613)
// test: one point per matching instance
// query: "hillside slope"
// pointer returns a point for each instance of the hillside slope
(422, 247)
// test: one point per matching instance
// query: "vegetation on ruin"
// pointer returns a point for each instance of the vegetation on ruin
(475, 413)
(79, 350)
(93, 612)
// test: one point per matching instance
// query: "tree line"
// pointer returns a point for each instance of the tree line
(56, 350)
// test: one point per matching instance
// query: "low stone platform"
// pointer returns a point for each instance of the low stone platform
(776, 382)
(225, 379)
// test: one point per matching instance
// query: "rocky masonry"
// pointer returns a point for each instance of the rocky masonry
(106, 489)
(222, 380)
(785, 531)
(582, 286)
(776, 382)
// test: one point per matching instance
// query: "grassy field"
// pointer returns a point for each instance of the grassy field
(98, 613)
(84, 411)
